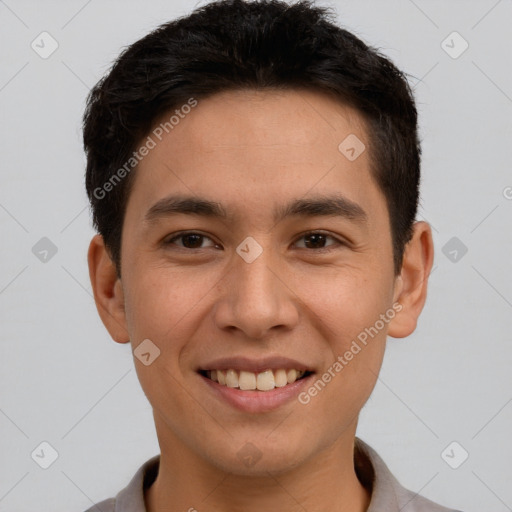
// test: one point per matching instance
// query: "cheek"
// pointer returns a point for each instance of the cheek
(161, 307)
(160, 300)
(350, 311)
(349, 302)
(356, 350)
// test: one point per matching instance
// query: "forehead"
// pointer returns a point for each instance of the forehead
(256, 150)
(267, 117)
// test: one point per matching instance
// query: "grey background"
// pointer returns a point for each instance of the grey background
(64, 381)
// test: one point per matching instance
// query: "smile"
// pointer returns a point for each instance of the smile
(250, 381)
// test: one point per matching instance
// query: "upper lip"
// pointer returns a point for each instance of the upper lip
(255, 365)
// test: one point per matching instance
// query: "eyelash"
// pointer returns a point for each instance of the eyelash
(338, 243)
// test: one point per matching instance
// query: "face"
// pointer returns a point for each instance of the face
(262, 286)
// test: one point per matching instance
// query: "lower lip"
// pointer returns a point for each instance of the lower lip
(258, 401)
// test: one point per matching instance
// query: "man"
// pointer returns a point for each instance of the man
(253, 172)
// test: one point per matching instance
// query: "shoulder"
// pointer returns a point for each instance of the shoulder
(386, 491)
(409, 501)
(103, 506)
(131, 498)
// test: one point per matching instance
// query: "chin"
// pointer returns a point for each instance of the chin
(259, 457)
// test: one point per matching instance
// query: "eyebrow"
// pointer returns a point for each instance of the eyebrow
(319, 205)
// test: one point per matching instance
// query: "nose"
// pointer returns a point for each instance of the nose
(257, 298)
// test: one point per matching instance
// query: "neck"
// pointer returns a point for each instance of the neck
(328, 481)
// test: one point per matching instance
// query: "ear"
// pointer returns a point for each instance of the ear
(108, 290)
(411, 284)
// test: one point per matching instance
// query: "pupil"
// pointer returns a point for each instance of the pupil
(316, 238)
(194, 245)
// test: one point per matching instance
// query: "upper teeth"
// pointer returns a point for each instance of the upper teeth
(263, 381)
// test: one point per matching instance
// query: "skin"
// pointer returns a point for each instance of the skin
(251, 151)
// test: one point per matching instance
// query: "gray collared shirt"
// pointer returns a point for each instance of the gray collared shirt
(387, 495)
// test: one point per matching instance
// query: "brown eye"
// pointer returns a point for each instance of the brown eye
(317, 240)
(190, 240)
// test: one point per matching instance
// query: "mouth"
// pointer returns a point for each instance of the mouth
(263, 381)
(255, 385)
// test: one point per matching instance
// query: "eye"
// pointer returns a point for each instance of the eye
(190, 240)
(194, 240)
(316, 240)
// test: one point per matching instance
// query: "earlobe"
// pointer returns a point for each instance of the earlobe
(107, 289)
(411, 284)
